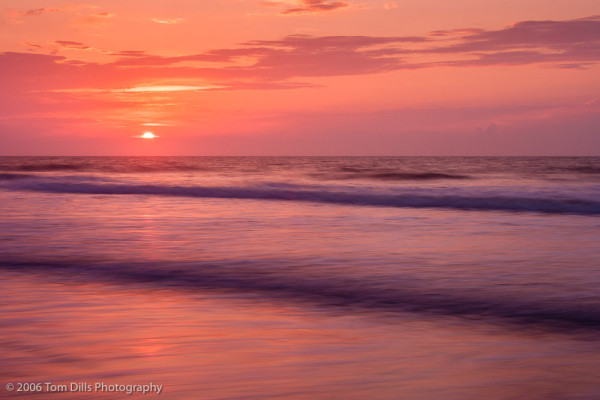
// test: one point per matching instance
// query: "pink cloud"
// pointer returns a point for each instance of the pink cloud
(38, 11)
(71, 45)
(95, 18)
(560, 44)
(168, 21)
(84, 14)
(29, 44)
(16, 17)
(310, 6)
(457, 32)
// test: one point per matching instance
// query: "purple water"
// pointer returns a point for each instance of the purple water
(303, 278)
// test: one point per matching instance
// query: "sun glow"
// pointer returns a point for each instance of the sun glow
(148, 135)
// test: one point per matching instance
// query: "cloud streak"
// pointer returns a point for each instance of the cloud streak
(315, 6)
(272, 64)
(86, 13)
(560, 44)
(527, 42)
(168, 21)
(16, 17)
(71, 45)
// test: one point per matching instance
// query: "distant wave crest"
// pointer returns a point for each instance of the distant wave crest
(74, 166)
(388, 175)
(10, 177)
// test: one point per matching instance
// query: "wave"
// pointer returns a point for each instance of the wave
(347, 173)
(431, 199)
(347, 292)
(45, 167)
(344, 173)
(329, 168)
(96, 167)
(10, 177)
(585, 169)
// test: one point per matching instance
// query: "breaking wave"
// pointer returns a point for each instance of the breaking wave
(293, 285)
(434, 198)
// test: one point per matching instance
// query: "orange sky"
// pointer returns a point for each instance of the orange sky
(306, 77)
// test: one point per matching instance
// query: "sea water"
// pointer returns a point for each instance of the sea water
(302, 277)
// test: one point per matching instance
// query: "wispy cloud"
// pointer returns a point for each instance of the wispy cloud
(529, 42)
(71, 45)
(168, 21)
(277, 64)
(16, 17)
(306, 6)
(84, 13)
(95, 18)
(32, 45)
(38, 11)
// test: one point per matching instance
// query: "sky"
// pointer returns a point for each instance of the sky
(300, 77)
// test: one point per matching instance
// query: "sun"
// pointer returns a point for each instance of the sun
(148, 135)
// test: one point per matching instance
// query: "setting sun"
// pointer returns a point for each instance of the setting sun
(148, 135)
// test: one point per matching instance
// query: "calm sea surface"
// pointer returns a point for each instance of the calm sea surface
(451, 278)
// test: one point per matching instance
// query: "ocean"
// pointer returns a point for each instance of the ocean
(451, 278)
